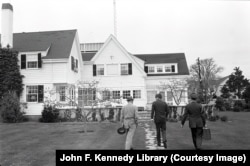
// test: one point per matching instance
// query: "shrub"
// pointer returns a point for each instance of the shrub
(238, 106)
(224, 119)
(219, 103)
(227, 106)
(237, 109)
(238, 103)
(49, 114)
(10, 109)
(212, 118)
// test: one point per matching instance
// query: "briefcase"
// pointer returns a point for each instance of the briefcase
(206, 134)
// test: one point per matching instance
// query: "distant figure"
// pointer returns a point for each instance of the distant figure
(129, 118)
(196, 120)
(159, 115)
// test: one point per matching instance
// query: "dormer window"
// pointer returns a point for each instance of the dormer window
(151, 69)
(31, 61)
(161, 68)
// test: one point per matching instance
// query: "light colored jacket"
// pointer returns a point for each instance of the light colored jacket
(129, 115)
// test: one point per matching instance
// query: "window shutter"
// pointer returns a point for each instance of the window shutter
(130, 68)
(39, 60)
(23, 61)
(72, 63)
(76, 63)
(146, 69)
(94, 70)
(40, 93)
(173, 68)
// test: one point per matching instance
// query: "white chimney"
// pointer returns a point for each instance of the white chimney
(7, 25)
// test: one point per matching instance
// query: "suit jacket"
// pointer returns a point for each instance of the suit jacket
(159, 111)
(196, 115)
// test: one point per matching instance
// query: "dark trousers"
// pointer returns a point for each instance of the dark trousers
(161, 130)
(197, 136)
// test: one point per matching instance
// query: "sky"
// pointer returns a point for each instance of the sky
(218, 29)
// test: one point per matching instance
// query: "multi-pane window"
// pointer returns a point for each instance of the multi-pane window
(32, 93)
(159, 69)
(100, 69)
(151, 69)
(86, 96)
(116, 94)
(32, 61)
(151, 96)
(62, 93)
(168, 69)
(125, 94)
(124, 69)
(136, 94)
(106, 95)
(72, 93)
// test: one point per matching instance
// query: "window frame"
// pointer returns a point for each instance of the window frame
(127, 69)
(27, 93)
(136, 95)
(125, 94)
(100, 68)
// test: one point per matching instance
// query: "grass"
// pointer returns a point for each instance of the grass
(34, 143)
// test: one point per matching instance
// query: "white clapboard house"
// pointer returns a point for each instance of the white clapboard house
(53, 60)
(126, 74)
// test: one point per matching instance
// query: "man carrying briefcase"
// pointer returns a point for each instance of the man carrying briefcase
(196, 120)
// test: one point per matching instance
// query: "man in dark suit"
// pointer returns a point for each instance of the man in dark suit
(196, 120)
(159, 115)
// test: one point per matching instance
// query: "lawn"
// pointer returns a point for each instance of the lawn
(34, 143)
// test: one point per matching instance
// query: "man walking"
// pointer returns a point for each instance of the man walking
(129, 118)
(159, 115)
(196, 120)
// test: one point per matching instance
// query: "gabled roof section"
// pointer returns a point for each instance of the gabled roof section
(87, 56)
(219, 81)
(59, 42)
(111, 37)
(178, 58)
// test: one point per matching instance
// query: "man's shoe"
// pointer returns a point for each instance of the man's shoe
(165, 145)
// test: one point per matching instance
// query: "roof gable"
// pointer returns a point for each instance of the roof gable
(126, 53)
(59, 42)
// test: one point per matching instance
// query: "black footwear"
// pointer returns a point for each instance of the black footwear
(165, 145)
(159, 144)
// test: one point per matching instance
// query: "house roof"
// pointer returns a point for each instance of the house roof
(7, 6)
(178, 58)
(58, 42)
(219, 81)
(87, 56)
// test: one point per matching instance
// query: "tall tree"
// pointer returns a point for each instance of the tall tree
(10, 76)
(236, 83)
(246, 94)
(206, 70)
(177, 87)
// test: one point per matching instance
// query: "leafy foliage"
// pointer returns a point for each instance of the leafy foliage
(208, 70)
(246, 94)
(236, 83)
(49, 114)
(10, 109)
(219, 104)
(10, 76)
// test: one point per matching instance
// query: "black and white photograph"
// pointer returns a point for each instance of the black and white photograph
(126, 75)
